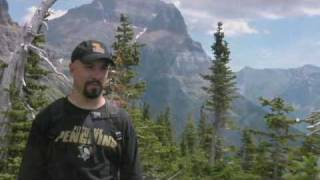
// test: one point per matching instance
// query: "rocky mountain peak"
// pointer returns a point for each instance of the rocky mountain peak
(169, 18)
(4, 15)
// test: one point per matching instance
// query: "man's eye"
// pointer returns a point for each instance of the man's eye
(104, 68)
(88, 66)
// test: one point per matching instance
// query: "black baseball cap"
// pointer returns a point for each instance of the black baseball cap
(90, 51)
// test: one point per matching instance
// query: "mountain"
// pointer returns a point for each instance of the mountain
(4, 15)
(171, 60)
(9, 33)
(298, 86)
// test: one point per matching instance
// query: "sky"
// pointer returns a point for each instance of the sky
(260, 33)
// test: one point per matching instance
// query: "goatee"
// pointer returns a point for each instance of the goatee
(92, 92)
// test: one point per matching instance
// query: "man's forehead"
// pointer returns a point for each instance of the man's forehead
(95, 62)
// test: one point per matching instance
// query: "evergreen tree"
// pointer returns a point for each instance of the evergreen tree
(16, 137)
(204, 132)
(263, 165)
(194, 163)
(279, 136)
(127, 56)
(189, 136)
(311, 143)
(231, 170)
(159, 158)
(304, 168)
(35, 91)
(248, 151)
(159, 154)
(20, 114)
(221, 91)
(165, 133)
(146, 111)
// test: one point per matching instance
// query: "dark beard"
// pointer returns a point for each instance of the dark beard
(92, 93)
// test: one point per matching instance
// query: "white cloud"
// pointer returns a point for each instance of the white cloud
(196, 19)
(235, 28)
(269, 15)
(197, 13)
(238, 27)
(311, 11)
(30, 12)
(177, 3)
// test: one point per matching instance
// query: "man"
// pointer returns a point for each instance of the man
(83, 136)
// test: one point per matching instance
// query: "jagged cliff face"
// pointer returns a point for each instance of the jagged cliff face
(9, 32)
(4, 15)
(171, 60)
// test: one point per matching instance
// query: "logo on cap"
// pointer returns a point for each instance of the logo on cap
(96, 47)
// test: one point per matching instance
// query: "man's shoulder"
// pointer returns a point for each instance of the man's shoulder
(120, 115)
(54, 108)
(45, 117)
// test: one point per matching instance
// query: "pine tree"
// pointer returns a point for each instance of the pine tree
(20, 115)
(158, 156)
(311, 143)
(305, 168)
(16, 137)
(194, 160)
(146, 111)
(35, 91)
(248, 151)
(221, 91)
(204, 132)
(165, 133)
(127, 57)
(156, 143)
(279, 136)
(189, 136)
(231, 170)
(263, 165)
(305, 165)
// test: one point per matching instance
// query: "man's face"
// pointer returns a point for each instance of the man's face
(88, 78)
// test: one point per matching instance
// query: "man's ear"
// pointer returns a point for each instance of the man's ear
(71, 68)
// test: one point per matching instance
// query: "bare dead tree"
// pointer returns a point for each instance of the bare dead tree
(14, 73)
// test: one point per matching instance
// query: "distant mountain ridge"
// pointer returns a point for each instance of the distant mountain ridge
(298, 86)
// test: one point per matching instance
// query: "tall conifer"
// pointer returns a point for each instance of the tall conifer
(221, 91)
(127, 56)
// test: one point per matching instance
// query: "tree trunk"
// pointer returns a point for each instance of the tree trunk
(14, 73)
(212, 156)
(215, 142)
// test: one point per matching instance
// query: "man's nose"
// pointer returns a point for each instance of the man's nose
(98, 73)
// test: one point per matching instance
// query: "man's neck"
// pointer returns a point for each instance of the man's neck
(85, 103)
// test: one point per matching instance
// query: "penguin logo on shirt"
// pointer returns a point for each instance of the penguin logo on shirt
(85, 152)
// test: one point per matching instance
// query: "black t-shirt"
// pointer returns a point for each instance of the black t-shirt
(70, 143)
